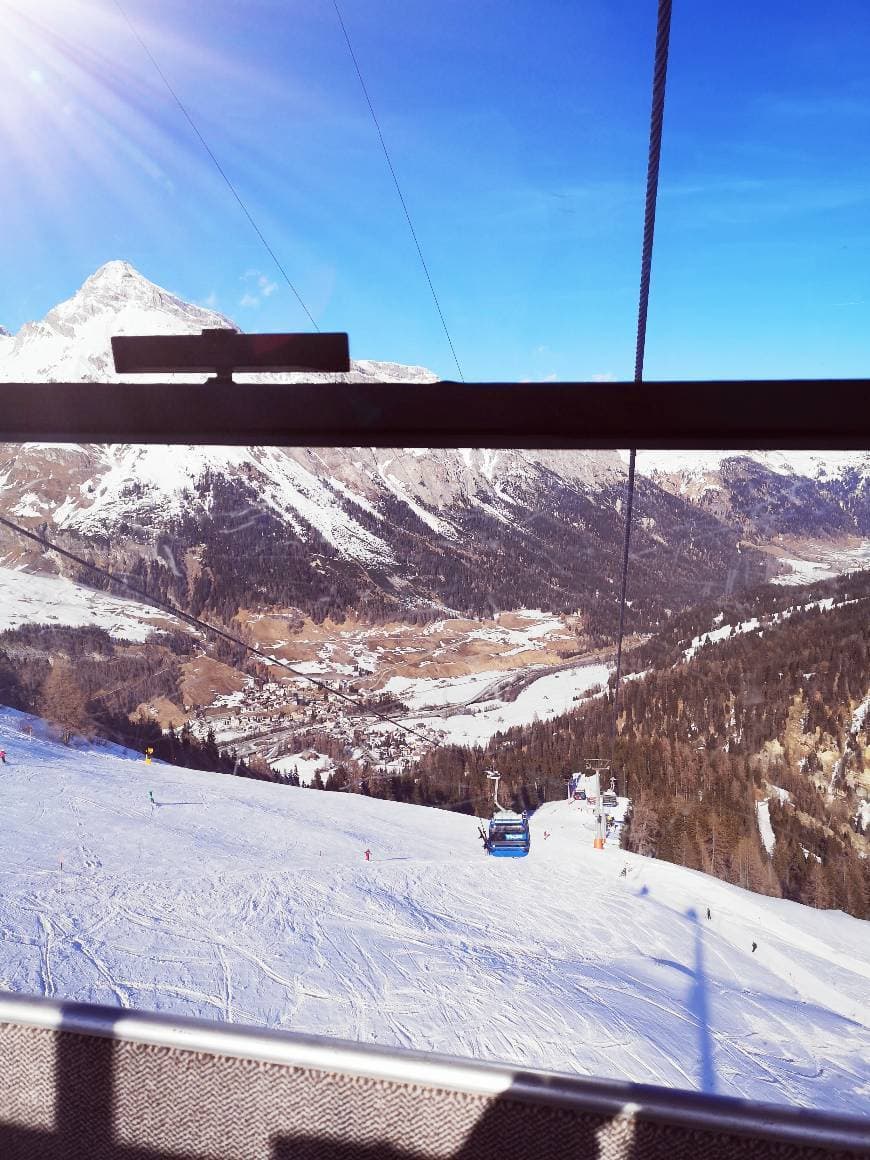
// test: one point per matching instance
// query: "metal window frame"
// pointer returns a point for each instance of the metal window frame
(813, 414)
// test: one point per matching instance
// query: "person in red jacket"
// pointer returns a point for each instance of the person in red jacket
(368, 855)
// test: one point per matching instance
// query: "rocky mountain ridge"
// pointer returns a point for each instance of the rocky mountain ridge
(771, 493)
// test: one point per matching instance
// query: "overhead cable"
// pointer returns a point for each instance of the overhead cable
(215, 161)
(660, 72)
(398, 187)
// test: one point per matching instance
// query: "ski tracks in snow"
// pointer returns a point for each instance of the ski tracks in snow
(46, 948)
(256, 906)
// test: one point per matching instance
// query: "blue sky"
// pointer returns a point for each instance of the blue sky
(519, 133)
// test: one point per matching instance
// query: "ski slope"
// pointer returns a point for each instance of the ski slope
(250, 902)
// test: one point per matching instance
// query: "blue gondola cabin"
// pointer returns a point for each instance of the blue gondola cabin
(509, 835)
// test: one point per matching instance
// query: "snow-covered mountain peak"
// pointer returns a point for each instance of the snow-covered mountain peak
(127, 298)
(73, 342)
(335, 491)
(113, 274)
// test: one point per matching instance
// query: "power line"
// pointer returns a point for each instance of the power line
(189, 618)
(660, 72)
(214, 159)
(398, 187)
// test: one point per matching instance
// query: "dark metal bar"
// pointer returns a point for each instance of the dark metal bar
(812, 414)
(227, 350)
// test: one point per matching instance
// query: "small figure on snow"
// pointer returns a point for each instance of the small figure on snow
(3, 756)
(368, 855)
(754, 945)
(151, 797)
(623, 873)
(546, 834)
(709, 915)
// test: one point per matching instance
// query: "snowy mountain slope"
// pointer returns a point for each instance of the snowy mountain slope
(357, 500)
(91, 489)
(815, 504)
(326, 489)
(151, 486)
(35, 598)
(374, 509)
(696, 464)
(253, 902)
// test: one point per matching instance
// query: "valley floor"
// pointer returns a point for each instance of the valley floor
(252, 902)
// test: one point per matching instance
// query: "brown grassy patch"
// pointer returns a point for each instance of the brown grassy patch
(161, 710)
(204, 679)
(407, 650)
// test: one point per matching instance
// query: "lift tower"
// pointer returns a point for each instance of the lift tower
(598, 768)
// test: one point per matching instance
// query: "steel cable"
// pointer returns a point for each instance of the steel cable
(660, 72)
(215, 161)
(398, 187)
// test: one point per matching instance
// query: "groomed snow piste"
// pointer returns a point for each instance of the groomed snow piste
(242, 901)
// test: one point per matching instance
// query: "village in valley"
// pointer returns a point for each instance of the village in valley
(381, 696)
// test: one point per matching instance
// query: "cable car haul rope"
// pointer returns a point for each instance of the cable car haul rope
(660, 72)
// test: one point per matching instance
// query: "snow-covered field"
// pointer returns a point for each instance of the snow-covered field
(805, 571)
(427, 693)
(824, 563)
(251, 902)
(305, 766)
(37, 598)
(541, 699)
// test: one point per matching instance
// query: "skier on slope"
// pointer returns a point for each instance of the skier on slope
(3, 756)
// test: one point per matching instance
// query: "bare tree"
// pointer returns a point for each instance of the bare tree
(63, 703)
